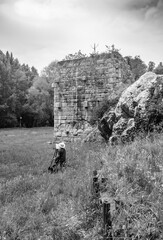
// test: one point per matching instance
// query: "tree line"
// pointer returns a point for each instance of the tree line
(26, 99)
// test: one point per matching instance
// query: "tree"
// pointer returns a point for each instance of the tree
(49, 72)
(151, 66)
(15, 80)
(137, 66)
(5, 90)
(40, 102)
(159, 69)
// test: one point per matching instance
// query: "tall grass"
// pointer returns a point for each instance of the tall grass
(38, 205)
(135, 178)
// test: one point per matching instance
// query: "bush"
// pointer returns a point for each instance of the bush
(104, 106)
(8, 121)
(153, 121)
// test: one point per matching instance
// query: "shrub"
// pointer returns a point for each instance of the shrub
(103, 107)
(153, 121)
(8, 121)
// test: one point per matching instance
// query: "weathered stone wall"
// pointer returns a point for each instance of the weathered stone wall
(81, 84)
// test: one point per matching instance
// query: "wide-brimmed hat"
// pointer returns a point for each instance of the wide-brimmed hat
(61, 145)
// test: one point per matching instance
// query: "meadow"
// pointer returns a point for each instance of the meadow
(36, 205)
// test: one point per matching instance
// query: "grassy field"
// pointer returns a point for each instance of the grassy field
(36, 205)
(24, 151)
(33, 203)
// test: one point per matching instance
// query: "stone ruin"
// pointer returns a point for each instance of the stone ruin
(82, 84)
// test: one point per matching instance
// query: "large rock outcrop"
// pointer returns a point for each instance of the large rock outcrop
(134, 109)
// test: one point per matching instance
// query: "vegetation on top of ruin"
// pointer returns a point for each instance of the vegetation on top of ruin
(77, 55)
(111, 52)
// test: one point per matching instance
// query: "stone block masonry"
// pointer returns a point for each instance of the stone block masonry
(80, 85)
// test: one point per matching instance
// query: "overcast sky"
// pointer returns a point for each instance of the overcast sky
(40, 31)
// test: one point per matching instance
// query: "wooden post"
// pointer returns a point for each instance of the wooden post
(106, 205)
(107, 223)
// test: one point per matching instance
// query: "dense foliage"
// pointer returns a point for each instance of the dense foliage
(25, 98)
(159, 69)
(137, 66)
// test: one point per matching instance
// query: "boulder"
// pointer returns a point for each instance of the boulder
(119, 127)
(133, 109)
(139, 95)
(130, 130)
(105, 125)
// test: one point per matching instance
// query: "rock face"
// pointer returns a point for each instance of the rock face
(133, 108)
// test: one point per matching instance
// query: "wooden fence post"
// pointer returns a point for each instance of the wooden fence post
(107, 223)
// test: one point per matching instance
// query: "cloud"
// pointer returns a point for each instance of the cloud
(149, 9)
(35, 13)
(38, 31)
(140, 4)
(43, 10)
(155, 12)
(41, 28)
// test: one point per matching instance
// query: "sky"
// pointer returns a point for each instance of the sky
(38, 32)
